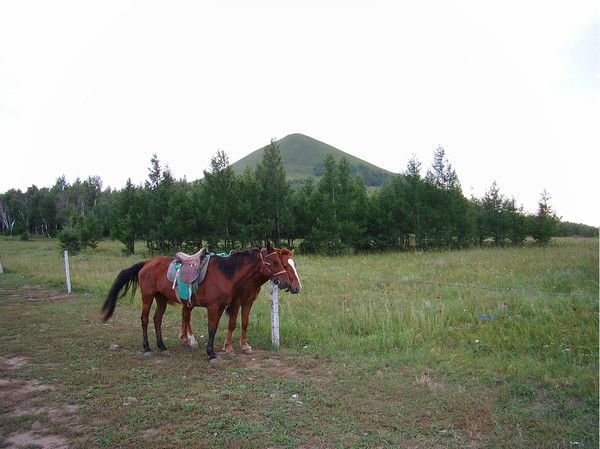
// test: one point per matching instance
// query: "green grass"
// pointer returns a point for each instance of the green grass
(477, 348)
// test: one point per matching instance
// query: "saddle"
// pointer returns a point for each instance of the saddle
(187, 271)
(191, 265)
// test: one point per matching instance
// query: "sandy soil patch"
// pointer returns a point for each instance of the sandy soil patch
(30, 438)
(15, 362)
(21, 399)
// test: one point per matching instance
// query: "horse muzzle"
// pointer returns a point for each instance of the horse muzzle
(281, 284)
(293, 289)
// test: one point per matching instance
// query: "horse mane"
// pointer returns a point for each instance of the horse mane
(285, 252)
(230, 264)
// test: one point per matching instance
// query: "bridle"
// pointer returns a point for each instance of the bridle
(265, 270)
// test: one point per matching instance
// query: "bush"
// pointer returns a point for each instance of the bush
(89, 229)
(81, 231)
(69, 240)
(24, 236)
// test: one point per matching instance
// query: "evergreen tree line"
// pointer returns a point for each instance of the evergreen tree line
(334, 214)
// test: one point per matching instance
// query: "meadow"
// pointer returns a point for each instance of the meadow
(490, 347)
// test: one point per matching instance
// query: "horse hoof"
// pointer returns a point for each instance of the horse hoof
(148, 354)
(165, 353)
(191, 342)
(247, 349)
(213, 361)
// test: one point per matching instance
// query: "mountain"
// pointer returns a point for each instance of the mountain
(303, 156)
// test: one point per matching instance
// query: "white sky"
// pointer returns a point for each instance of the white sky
(510, 89)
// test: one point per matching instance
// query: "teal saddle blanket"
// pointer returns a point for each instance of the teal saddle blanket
(184, 290)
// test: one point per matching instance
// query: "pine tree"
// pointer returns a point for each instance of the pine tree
(414, 192)
(221, 200)
(180, 221)
(391, 212)
(495, 223)
(351, 207)
(300, 210)
(442, 174)
(159, 189)
(126, 225)
(275, 191)
(544, 223)
(247, 228)
(339, 208)
(517, 223)
(324, 235)
(154, 173)
(448, 207)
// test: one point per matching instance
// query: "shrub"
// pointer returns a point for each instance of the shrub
(70, 240)
(89, 229)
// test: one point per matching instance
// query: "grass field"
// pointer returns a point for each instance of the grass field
(477, 348)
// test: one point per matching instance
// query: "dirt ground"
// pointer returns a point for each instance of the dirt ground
(31, 413)
(22, 399)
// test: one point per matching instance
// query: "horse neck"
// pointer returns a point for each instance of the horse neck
(259, 279)
(249, 271)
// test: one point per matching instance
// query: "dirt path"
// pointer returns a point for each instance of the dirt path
(26, 414)
(23, 402)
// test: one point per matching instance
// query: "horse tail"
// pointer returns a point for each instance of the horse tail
(128, 278)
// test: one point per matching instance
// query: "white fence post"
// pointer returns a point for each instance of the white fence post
(1, 269)
(67, 274)
(274, 299)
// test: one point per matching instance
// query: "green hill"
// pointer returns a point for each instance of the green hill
(303, 158)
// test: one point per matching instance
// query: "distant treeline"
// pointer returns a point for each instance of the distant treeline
(333, 215)
(568, 229)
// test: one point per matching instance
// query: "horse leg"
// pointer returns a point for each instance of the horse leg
(146, 306)
(184, 319)
(214, 314)
(228, 344)
(161, 305)
(246, 348)
(186, 334)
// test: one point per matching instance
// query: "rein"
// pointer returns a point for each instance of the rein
(265, 266)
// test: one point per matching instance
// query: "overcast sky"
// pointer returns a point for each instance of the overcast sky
(510, 89)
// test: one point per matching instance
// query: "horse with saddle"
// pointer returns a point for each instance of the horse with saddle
(202, 279)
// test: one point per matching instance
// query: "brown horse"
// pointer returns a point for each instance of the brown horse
(244, 297)
(224, 275)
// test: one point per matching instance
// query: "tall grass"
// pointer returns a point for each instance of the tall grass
(508, 313)
(515, 312)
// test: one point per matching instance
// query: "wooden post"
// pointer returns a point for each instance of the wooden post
(274, 299)
(67, 274)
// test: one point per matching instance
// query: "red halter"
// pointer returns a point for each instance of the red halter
(265, 270)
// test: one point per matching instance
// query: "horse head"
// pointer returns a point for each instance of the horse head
(285, 255)
(272, 267)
